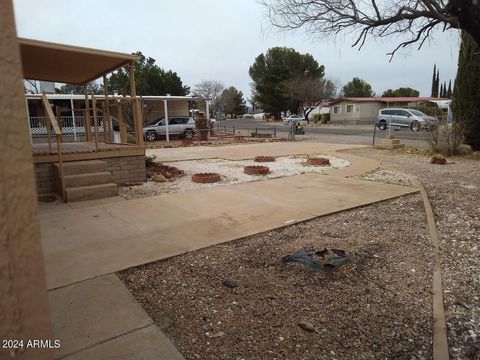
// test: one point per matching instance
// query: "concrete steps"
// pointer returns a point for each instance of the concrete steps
(90, 192)
(87, 180)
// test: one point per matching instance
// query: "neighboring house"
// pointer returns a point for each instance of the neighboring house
(364, 109)
(323, 108)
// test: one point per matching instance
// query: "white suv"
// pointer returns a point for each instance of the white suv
(177, 125)
(399, 117)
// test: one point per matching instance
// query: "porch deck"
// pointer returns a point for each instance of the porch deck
(83, 151)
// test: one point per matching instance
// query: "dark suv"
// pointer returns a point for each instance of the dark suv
(177, 125)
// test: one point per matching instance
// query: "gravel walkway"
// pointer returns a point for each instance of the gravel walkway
(231, 172)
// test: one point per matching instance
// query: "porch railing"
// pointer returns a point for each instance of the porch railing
(51, 123)
(70, 125)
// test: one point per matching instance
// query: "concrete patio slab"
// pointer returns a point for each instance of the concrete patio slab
(145, 344)
(93, 311)
(83, 243)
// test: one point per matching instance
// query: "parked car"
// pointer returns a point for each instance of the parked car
(177, 126)
(248, 116)
(259, 116)
(296, 118)
(408, 118)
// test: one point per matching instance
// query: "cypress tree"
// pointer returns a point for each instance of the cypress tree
(434, 80)
(449, 91)
(437, 83)
(466, 92)
(440, 94)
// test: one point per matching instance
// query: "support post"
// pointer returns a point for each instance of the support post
(137, 121)
(73, 121)
(167, 134)
(28, 121)
(107, 122)
(123, 133)
(86, 119)
(59, 120)
(95, 120)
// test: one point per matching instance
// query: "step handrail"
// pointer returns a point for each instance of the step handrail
(58, 136)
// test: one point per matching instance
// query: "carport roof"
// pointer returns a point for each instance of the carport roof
(55, 62)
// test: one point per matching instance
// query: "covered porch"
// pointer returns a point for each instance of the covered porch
(105, 134)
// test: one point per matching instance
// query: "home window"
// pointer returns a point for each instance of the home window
(350, 108)
(336, 109)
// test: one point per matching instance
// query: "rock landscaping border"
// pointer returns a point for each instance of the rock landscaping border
(256, 170)
(264, 159)
(318, 161)
(206, 178)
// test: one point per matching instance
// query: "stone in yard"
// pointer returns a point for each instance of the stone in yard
(464, 149)
(159, 178)
(229, 284)
(438, 159)
(218, 334)
(307, 326)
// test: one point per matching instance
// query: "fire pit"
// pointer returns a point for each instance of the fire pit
(318, 161)
(264, 159)
(256, 170)
(206, 178)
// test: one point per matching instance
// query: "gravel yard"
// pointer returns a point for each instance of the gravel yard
(454, 192)
(230, 171)
(376, 307)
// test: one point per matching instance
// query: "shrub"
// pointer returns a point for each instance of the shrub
(260, 135)
(203, 126)
(430, 110)
(445, 138)
(131, 139)
(316, 118)
(325, 118)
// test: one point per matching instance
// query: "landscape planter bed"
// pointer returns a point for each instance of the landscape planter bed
(206, 178)
(264, 159)
(318, 161)
(256, 170)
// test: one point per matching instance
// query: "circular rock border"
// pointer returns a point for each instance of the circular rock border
(206, 178)
(318, 161)
(264, 159)
(256, 170)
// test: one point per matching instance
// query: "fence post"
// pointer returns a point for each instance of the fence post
(274, 131)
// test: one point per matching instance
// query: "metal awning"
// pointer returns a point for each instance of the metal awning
(62, 63)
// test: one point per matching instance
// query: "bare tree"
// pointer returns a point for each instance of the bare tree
(209, 90)
(378, 19)
(31, 86)
(310, 93)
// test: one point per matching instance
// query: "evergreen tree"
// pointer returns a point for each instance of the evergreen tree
(357, 88)
(437, 84)
(434, 80)
(449, 91)
(149, 79)
(401, 92)
(272, 71)
(233, 102)
(440, 94)
(466, 92)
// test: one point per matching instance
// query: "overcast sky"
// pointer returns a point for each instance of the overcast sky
(219, 40)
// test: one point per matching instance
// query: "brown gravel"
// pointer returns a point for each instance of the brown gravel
(454, 192)
(238, 300)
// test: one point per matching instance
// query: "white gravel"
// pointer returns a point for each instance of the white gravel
(231, 172)
(387, 177)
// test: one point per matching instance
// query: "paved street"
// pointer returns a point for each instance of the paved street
(350, 130)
